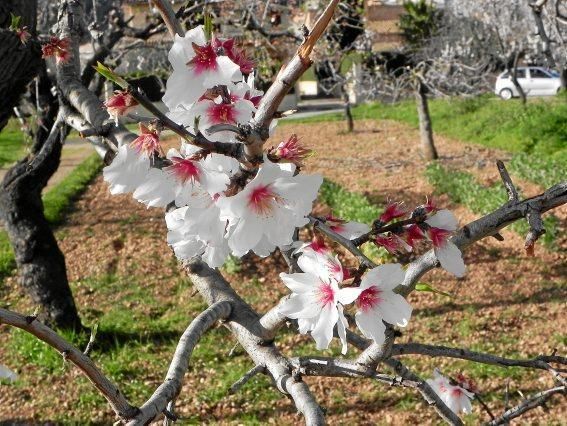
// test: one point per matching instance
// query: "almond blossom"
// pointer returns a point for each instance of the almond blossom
(58, 48)
(455, 397)
(7, 374)
(192, 176)
(196, 66)
(196, 230)
(317, 301)
(441, 226)
(238, 56)
(392, 211)
(121, 103)
(266, 212)
(291, 151)
(148, 141)
(377, 302)
(127, 171)
(348, 230)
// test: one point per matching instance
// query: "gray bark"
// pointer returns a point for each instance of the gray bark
(425, 130)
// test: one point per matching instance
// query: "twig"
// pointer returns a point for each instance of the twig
(529, 404)
(508, 184)
(345, 242)
(244, 379)
(107, 389)
(168, 15)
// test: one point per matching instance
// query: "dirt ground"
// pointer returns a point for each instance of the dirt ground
(507, 304)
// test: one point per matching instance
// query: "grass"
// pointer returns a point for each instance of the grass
(56, 203)
(536, 134)
(463, 188)
(12, 144)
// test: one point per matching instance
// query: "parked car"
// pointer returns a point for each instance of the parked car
(536, 81)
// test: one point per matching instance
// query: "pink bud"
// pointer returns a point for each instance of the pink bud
(392, 211)
(148, 142)
(120, 103)
(390, 243)
(23, 34)
(413, 234)
(292, 151)
(57, 47)
(430, 206)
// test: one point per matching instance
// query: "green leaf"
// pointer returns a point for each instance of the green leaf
(16, 22)
(427, 287)
(110, 75)
(208, 27)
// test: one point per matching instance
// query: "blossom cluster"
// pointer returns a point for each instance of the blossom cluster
(456, 397)
(215, 215)
(322, 291)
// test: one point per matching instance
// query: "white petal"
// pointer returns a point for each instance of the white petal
(352, 230)
(7, 374)
(371, 326)
(300, 306)
(342, 326)
(323, 331)
(385, 277)
(451, 259)
(300, 282)
(444, 219)
(348, 295)
(395, 309)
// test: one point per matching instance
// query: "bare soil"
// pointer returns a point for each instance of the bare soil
(507, 304)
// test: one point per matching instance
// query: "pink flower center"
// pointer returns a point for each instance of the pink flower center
(456, 392)
(438, 236)
(222, 113)
(369, 298)
(205, 59)
(262, 200)
(185, 170)
(326, 294)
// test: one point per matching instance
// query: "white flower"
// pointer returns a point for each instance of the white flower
(455, 397)
(376, 302)
(266, 212)
(196, 67)
(7, 374)
(194, 176)
(197, 230)
(156, 190)
(316, 300)
(127, 170)
(441, 225)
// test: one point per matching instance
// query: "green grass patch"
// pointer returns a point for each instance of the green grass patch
(59, 198)
(56, 203)
(536, 134)
(348, 205)
(464, 189)
(12, 144)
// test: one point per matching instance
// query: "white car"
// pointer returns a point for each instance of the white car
(536, 81)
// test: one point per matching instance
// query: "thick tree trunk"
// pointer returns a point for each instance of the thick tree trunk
(41, 263)
(425, 130)
(563, 75)
(513, 71)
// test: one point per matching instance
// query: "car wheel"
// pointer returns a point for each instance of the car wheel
(506, 94)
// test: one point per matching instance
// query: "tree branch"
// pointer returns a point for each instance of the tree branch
(74, 355)
(170, 388)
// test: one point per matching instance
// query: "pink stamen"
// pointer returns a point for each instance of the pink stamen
(262, 200)
(369, 298)
(205, 59)
(185, 170)
(222, 113)
(413, 234)
(326, 294)
(438, 236)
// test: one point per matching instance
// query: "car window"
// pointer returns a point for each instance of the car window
(537, 73)
(521, 73)
(505, 75)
